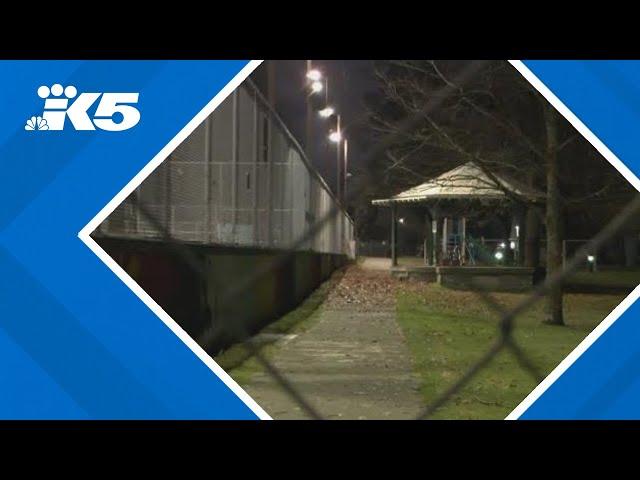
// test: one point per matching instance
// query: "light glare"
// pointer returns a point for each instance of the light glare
(326, 112)
(314, 75)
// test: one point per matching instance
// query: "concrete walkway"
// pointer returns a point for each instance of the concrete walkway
(353, 363)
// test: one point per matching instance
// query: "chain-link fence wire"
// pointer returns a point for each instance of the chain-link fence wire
(506, 324)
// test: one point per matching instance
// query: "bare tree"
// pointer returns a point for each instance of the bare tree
(502, 124)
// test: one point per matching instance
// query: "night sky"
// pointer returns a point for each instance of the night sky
(349, 81)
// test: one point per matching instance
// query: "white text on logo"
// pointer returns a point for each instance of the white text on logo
(57, 108)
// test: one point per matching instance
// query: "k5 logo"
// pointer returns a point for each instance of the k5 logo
(57, 109)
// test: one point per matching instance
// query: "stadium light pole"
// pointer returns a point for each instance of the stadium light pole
(336, 137)
(314, 84)
(345, 174)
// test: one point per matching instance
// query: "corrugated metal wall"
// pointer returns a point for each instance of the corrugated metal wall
(240, 179)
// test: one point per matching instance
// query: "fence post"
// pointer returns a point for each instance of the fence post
(235, 142)
(207, 179)
(269, 159)
(254, 174)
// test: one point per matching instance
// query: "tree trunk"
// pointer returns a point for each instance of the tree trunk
(554, 218)
(630, 250)
(531, 234)
(532, 238)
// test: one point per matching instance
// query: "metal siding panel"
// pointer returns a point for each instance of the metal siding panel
(222, 119)
(187, 188)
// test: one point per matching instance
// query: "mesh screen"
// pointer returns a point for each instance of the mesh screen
(238, 179)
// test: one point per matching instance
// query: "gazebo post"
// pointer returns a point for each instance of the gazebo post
(445, 236)
(463, 235)
(425, 241)
(434, 235)
(394, 234)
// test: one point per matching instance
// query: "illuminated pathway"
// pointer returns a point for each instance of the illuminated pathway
(352, 363)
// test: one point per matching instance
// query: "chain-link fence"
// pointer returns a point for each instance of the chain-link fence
(266, 190)
(240, 179)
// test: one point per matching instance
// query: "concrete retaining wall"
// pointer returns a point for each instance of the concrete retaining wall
(426, 274)
(226, 301)
(506, 279)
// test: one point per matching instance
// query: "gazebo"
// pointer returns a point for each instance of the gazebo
(446, 201)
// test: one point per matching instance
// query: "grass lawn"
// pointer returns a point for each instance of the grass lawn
(448, 330)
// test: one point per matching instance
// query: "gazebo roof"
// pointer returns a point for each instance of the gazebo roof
(467, 181)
